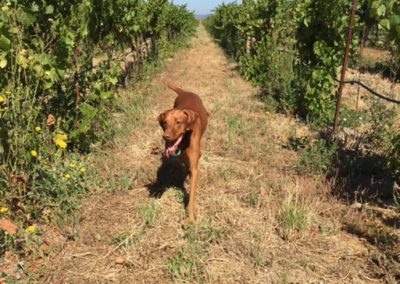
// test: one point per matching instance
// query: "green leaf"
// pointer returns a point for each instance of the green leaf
(113, 80)
(22, 61)
(4, 43)
(87, 110)
(49, 10)
(25, 17)
(39, 70)
(3, 63)
(48, 85)
(105, 95)
(381, 11)
(34, 7)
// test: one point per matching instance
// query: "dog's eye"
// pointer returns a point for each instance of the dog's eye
(178, 122)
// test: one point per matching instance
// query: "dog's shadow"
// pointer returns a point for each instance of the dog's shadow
(171, 173)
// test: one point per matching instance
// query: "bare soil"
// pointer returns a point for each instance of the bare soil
(247, 183)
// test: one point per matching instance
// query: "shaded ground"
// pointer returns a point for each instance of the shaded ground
(257, 221)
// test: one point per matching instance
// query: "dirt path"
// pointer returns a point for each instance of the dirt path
(248, 194)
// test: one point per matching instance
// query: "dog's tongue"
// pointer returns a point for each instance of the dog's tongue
(172, 149)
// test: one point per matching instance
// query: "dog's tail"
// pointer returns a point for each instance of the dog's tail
(173, 87)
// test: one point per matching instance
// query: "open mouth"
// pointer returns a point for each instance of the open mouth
(172, 147)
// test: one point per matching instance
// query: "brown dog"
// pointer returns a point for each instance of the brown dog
(183, 128)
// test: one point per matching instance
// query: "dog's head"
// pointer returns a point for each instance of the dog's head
(175, 122)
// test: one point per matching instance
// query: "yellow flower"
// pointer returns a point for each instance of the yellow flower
(67, 176)
(34, 153)
(60, 140)
(82, 170)
(72, 165)
(32, 229)
(62, 144)
(3, 210)
(38, 129)
(2, 99)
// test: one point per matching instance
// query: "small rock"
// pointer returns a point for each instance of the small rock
(44, 248)
(8, 227)
(120, 261)
(356, 205)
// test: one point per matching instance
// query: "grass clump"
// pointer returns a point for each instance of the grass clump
(149, 213)
(186, 266)
(294, 216)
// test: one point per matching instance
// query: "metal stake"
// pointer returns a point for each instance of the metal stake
(345, 61)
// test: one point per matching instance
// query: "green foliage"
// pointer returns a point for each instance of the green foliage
(260, 36)
(60, 67)
(290, 48)
(293, 50)
(321, 37)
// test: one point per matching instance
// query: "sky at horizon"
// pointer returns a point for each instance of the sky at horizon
(202, 7)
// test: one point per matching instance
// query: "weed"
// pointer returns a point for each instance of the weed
(256, 252)
(252, 200)
(294, 216)
(382, 120)
(297, 143)
(181, 266)
(149, 213)
(127, 241)
(180, 195)
(352, 118)
(209, 234)
(395, 158)
(327, 229)
(7, 242)
(226, 174)
(235, 128)
(187, 266)
(126, 183)
(317, 158)
(270, 104)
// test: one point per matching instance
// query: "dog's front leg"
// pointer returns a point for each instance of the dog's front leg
(192, 162)
(194, 180)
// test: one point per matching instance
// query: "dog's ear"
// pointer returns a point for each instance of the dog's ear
(191, 116)
(161, 117)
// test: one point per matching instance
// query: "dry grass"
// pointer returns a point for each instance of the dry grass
(375, 54)
(248, 190)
